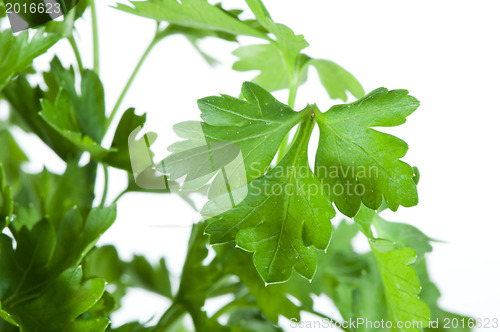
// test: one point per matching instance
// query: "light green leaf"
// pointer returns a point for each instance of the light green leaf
(357, 163)
(18, 52)
(283, 66)
(337, 80)
(268, 59)
(403, 235)
(198, 14)
(406, 236)
(401, 284)
(289, 44)
(285, 212)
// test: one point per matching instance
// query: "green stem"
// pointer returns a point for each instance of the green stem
(236, 304)
(95, 36)
(292, 95)
(120, 196)
(78, 56)
(106, 185)
(170, 317)
(158, 36)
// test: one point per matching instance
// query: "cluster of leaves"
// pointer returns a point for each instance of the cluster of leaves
(273, 250)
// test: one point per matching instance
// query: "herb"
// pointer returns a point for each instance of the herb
(268, 212)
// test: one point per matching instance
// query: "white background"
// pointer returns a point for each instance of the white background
(444, 52)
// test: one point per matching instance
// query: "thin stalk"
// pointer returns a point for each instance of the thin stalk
(120, 196)
(95, 35)
(78, 56)
(159, 36)
(292, 95)
(170, 317)
(106, 185)
(234, 305)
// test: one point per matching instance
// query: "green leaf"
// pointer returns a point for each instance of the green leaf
(401, 284)
(403, 235)
(406, 236)
(272, 300)
(280, 62)
(350, 279)
(11, 157)
(50, 195)
(289, 43)
(25, 106)
(268, 59)
(75, 238)
(88, 107)
(152, 278)
(357, 163)
(285, 212)
(61, 116)
(400, 280)
(69, 122)
(18, 52)
(337, 80)
(58, 307)
(104, 262)
(283, 66)
(196, 281)
(198, 14)
(119, 155)
(33, 274)
(257, 125)
(48, 248)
